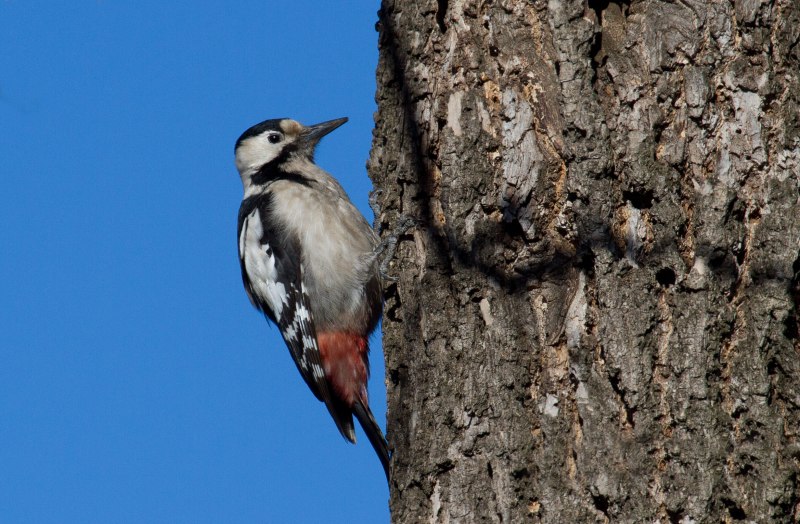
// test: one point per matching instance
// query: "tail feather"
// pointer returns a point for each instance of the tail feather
(344, 359)
(374, 434)
(343, 417)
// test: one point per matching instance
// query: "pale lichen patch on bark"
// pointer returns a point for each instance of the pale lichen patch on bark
(486, 312)
(454, 112)
(550, 407)
(437, 515)
(575, 322)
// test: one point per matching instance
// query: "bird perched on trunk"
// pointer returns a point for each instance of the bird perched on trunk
(309, 263)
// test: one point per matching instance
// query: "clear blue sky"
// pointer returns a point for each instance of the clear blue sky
(137, 384)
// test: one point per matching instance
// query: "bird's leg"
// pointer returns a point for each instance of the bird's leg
(386, 249)
(374, 195)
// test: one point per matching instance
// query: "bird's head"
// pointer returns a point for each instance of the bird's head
(279, 138)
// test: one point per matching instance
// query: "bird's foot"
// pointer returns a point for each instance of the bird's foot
(386, 249)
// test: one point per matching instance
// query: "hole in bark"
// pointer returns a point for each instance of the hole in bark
(440, 14)
(598, 57)
(489, 470)
(717, 259)
(773, 368)
(601, 503)
(394, 376)
(734, 510)
(520, 473)
(736, 210)
(445, 466)
(599, 6)
(792, 322)
(629, 410)
(391, 298)
(675, 516)
(665, 276)
(640, 199)
(586, 263)
(513, 228)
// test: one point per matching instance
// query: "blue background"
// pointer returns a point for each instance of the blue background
(137, 384)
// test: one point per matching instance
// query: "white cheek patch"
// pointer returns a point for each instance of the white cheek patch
(255, 152)
(259, 262)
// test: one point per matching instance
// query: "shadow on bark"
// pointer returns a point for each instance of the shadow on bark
(552, 265)
(548, 263)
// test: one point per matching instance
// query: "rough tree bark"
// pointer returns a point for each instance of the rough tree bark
(596, 317)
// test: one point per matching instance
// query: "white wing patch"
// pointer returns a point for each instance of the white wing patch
(260, 264)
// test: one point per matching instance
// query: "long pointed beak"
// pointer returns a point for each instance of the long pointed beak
(314, 133)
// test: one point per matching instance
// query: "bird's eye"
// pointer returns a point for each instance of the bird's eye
(274, 138)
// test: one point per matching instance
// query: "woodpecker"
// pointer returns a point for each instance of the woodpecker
(309, 264)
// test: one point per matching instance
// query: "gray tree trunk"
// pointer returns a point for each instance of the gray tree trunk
(596, 318)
